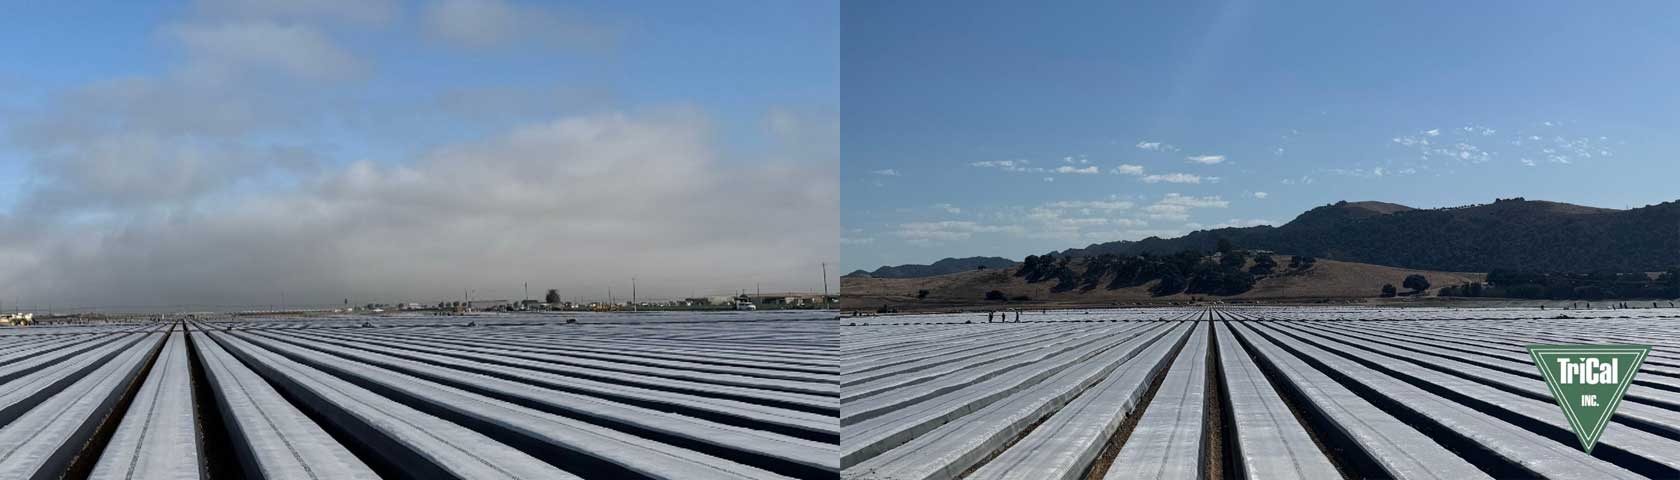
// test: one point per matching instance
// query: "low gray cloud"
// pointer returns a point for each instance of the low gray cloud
(225, 180)
(570, 204)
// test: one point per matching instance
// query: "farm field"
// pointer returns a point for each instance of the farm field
(666, 395)
(1279, 392)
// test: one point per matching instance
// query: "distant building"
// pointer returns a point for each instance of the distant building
(790, 299)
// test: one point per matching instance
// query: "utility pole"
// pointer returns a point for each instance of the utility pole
(527, 291)
(825, 282)
(633, 306)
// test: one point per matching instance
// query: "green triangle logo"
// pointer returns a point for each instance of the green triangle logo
(1588, 382)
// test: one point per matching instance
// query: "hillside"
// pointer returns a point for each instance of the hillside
(942, 267)
(1514, 234)
(1328, 279)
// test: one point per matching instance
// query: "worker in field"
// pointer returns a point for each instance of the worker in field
(989, 314)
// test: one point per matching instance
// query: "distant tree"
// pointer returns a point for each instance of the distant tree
(1473, 289)
(1233, 260)
(1388, 290)
(1225, 246)
(1589, 292)
(1416, 282)
(921, 294)
(1301, 262)
(1263, 265)
(1020, 298)
(979, 267)
(553, 296)
(995, 295)
(1171, 282)
(1029, 266)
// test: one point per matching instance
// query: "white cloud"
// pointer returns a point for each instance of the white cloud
(948, 230)
(1168, 212)
(1205, 159)
(857, 240)
(1479, 130)
(1194, 202)
(1095, 205)
(1373, 172)
(1156, 146)
(1261, 195)
(494, 23)
(1088, 170)
(1049, 179)
(1128, 169)
(296, 50)
(1410, 141)
(1008, 166)
(887, 172)
(948, 208)
(1527, 163)
(1172, 178)
(1176, 207)
(1434, 132)
(362, 12)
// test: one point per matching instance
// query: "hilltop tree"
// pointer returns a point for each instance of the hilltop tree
(1416, 282)
(553, 296)
(995, 295)
(1234, 259)
(1388, 290)
(921, 294)
(1263, 265)
(1301, 262)
(1225, 246)
(1028, 266)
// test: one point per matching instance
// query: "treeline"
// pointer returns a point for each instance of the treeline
(1570, 286)
(1188, 271)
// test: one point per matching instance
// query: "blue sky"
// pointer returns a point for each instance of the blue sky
(1007, 128)
(221, 151)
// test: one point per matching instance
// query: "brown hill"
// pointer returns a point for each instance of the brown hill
(1328, 279)
(1509, 234)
